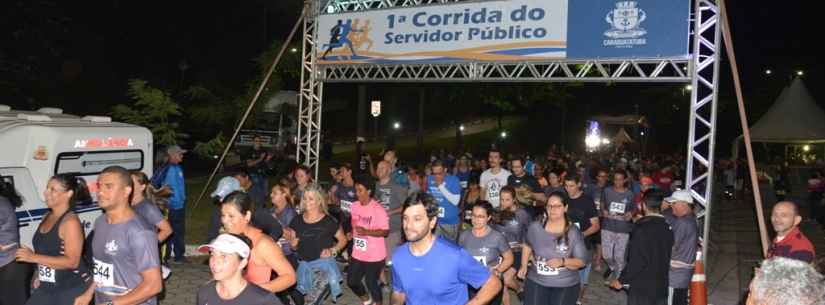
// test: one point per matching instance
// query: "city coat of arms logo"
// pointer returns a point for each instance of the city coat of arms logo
(625, 20)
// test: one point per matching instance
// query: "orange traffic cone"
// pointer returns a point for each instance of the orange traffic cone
(698, 291)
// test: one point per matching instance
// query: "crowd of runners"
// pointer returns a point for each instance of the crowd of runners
(490, 228)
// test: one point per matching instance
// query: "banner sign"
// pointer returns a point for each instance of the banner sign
(511, 30)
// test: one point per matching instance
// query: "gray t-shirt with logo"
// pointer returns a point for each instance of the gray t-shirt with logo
(121, 252)
(486, 249)
(391, 196)
(515, 228)
(545, 247)
(617, 205)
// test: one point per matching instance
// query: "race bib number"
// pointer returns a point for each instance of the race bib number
(360, 244)
(543, 269)
(481, 259)
(45, 274)
(346, 205)
(598, 204)
(617, 207)
(104, 274)
(440, 212)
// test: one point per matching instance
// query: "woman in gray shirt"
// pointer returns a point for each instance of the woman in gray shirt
(557, 250)
(489, 247)
(14, 276)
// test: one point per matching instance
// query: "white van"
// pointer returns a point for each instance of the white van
(36, 145)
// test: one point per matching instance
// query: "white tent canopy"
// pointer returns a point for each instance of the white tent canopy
(622, 137)
(794, 118)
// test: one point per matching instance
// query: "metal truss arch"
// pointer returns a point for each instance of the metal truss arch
(673, 70)
(700, 70)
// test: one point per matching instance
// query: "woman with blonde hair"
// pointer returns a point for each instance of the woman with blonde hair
(317, 238)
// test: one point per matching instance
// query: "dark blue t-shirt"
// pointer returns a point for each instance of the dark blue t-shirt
(439, 277)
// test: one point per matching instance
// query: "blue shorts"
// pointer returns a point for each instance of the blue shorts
(584, 273)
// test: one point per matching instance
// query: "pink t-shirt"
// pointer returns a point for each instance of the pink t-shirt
(371, 217)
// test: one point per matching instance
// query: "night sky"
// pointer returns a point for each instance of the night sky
(78, 55)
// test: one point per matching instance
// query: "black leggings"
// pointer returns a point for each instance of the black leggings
(16, 280)
(359, 270)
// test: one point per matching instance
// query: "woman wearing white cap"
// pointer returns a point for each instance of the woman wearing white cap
(229, 255)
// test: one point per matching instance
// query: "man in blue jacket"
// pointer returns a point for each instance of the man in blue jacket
(173, 178)
(447, 191)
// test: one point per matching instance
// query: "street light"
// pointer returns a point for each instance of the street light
(688, 87)
(800, 73)
(806, 148)
(293, 50)
(461, 127)
(592, 141)
(503, 134)
(768, 72)
(396, 125)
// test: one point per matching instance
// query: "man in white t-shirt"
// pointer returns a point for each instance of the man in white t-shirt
(493, 179)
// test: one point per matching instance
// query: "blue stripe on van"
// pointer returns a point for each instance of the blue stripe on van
(37, 214)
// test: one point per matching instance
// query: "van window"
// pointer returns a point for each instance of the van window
(93, 162)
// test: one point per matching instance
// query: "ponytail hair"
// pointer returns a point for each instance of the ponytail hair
(80, 191)
(158, 197)
(7, 191)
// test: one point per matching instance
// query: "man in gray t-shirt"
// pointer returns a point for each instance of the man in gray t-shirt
(685, 229)
(391, 195)
(617, 208)
(124, 247)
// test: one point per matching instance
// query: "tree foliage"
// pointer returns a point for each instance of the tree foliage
(152, 108)
(213, 147)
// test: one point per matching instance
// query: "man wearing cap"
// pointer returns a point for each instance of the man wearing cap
(177, 202)
(789, 241)
(229, 255)
(685, 242)
(648, 256)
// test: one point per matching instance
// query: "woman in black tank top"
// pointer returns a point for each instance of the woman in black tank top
(61, 275)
